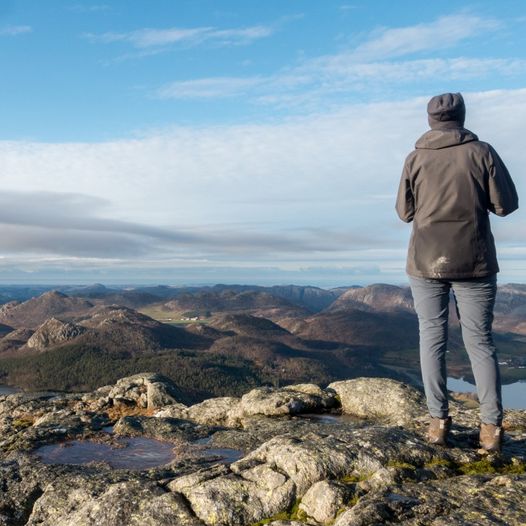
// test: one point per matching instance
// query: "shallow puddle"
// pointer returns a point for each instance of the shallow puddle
(226, 455)
(129, 453)
(136, 453)
(328, 418)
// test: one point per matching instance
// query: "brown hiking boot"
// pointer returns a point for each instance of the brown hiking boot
(491, 437)
(438, 431)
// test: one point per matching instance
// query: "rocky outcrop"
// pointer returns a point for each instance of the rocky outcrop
(297, 469)
(377, 297)
(146, 390)
(393, 401)
(323, 500)
(54, 332)
(480, 499)
(266, 401)
(86, 502)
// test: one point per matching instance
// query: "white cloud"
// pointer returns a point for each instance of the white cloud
(374, 66)
(306, 191)
(12, 31)
(89, 8)
(151, 37)
(215, 87)
(444, 32)
(317, 80)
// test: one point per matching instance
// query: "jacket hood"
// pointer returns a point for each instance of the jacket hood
(444, 138)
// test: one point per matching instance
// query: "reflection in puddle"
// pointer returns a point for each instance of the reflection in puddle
(136, 453)
(327, 418)
(129, 453)
(226, 455)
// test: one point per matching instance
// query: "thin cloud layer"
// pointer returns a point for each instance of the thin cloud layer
(13, 31)
(445, 32)
(386, 60)
(307, 192)
(216, 87)
(153, 38)
(339, 74)
(73, 225)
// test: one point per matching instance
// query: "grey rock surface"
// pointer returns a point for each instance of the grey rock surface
(150, 390)
(244, 498)
(160, 428)
(215, 411)
(303, 461)
(88, 503)
(297, 468)
(291, 400)
(323, 500)
(53, 332)
(480, 500)
(395, 402)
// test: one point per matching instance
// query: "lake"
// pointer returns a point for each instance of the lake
(513, 395)
(5, 389)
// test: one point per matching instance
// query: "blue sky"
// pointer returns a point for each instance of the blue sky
(238, 141)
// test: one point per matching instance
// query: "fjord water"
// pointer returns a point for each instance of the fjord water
(6, 389)
(513, 395)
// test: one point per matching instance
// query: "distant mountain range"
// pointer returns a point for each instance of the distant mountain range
(246, 334)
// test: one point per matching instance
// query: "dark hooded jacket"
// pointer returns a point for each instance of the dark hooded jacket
(449, 184)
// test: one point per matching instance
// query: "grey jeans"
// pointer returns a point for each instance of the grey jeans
(475, 299)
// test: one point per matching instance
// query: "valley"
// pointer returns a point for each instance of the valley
(222, 340)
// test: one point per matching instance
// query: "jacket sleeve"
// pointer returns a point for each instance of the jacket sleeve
(503, 198)
(405, 201)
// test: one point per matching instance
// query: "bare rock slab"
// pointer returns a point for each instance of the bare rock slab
(304, 461)
(480, 500)
(147, 390)
(237, 500)
(85, 502)
(380, 398)
(291, 400)
(323, 500)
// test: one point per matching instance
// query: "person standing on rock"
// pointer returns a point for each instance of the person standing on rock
(449, 184)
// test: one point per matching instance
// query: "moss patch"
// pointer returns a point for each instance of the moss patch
(436, 462)
(293, 514)
(493, 466)
(354, 478)
(400, 465)
(22, 423)
(283, 516)
(485, 466)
